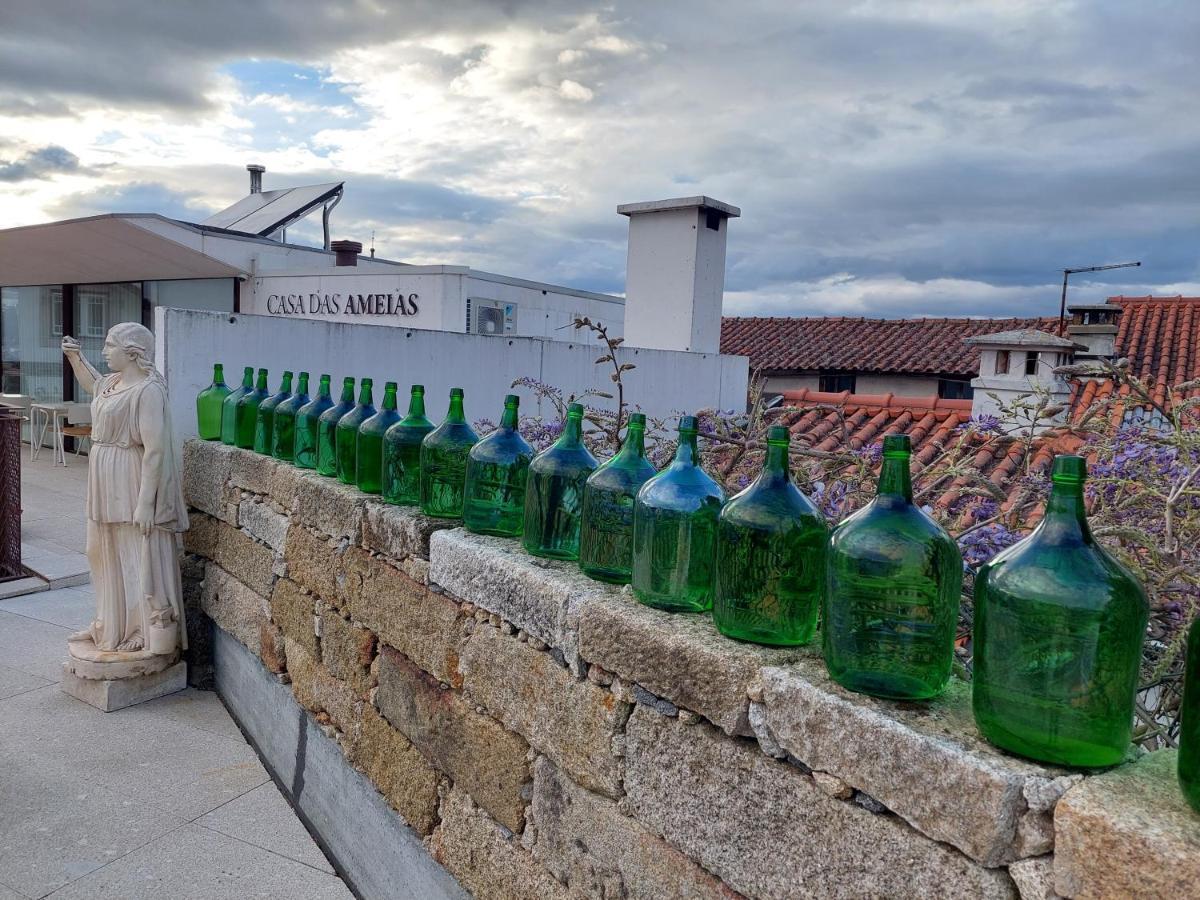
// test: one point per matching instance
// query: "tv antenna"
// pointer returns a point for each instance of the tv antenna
(1067, 273)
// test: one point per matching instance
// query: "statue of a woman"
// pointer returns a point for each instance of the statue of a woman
(135, 504)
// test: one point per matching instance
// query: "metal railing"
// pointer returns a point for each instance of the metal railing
(10, 495)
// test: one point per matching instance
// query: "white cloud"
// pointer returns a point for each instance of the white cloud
(573, 90)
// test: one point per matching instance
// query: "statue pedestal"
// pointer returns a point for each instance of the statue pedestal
(111, 679)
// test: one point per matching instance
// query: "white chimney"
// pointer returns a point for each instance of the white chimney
(1095, 326)
(256, 174)
(1015, 364)
(675, 276)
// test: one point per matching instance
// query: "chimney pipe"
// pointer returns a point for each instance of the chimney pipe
(256, 174)
(346, 252)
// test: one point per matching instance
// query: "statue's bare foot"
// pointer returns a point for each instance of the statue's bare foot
(85, 635)
(134, 643)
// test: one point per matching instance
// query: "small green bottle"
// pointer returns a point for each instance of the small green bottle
(1189, 722)
(308, 426)
(675, 531)
(264, 423)
(283, 437)
(554, 492)
(370, 442)
(347, 433)
(444, 462)
(229, 407)
(770, 557)
(327, 430)
(891, 603)
(247, 412)
(402, 452)
(1059, 626)
(606, 535)
(497, 467)
(208, 405)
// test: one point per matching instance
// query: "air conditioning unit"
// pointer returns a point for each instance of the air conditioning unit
(495, 317)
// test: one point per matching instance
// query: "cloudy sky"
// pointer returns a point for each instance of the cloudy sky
(891, 158)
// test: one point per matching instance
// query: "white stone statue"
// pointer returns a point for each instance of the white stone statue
(135, 510)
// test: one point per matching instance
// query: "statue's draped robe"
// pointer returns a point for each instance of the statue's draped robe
(132, 575)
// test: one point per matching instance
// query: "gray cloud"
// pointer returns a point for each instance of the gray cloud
(43, 162)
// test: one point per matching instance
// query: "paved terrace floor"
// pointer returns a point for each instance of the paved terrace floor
(165, 799)
(53, 533)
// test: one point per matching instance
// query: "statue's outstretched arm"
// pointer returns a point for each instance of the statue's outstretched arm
(85, 372)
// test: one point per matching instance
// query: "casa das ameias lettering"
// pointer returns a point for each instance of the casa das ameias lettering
(343, 304)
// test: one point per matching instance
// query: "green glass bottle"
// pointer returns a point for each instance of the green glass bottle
(247, 412)
(675, 531)
(554, 492)
(894, 582)
(347, 433)
(327, 430)
(402, 452)
(444, 462)
(770, 557)
(229, 407)
(497, 467)
(308, 426)
(370, 442)
(1189, 722)
(208, 405)
(264, 423)
(283, 436)
(606, 535)
(1059, 626)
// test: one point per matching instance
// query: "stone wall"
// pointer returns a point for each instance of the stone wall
(548, 736)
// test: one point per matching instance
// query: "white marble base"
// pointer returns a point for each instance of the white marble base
(109, 694)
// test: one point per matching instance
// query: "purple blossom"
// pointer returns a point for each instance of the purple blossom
(981, 544)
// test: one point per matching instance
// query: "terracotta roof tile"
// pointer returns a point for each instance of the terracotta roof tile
(910, 346)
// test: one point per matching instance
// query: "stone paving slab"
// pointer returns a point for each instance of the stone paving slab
(194, 861)
(100, 804)
(18, 587)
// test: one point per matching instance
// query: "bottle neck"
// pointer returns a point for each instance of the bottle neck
(348, 392)
(218, 374)
(509, 420)
(686, 453)
(389, 400)
(895, 479)
(323, 390)
(286, 386)
(303, 389)
(364, 395)
(262, 382)
(455, 413)
(248, 379)
(635, 442)
(776, 466)
(572, 432)
(1065, 517)
(416, 405)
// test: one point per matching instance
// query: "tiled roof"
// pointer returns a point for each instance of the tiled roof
(908, 346)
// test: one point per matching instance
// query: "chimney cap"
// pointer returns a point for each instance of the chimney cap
(1024, 337)
(700, 202)
(346, 247)
(255, 167)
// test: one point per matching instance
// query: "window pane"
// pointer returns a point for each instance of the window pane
(1001, 362)
(98, 307)
(1031, 363)
(835, 384)
(31, 333)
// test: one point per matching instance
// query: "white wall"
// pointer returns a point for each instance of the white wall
(193, 293)
(664, 382)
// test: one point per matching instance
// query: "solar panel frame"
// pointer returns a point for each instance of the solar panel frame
(265, 213)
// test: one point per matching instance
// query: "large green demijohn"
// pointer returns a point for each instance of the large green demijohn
(369, 468)
(444, 462)
(554, 492)
(327, 430)
(346, 434)
(606, 536)
(1189, 722)
(308, 428)
(894, 583)
(494, 495)
(208, 406)
(771, 543)
(675, 531)
(264, 424)
(246, 417)
(283, 436)
(402, 452)
(1059, 626)
(229, 407)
